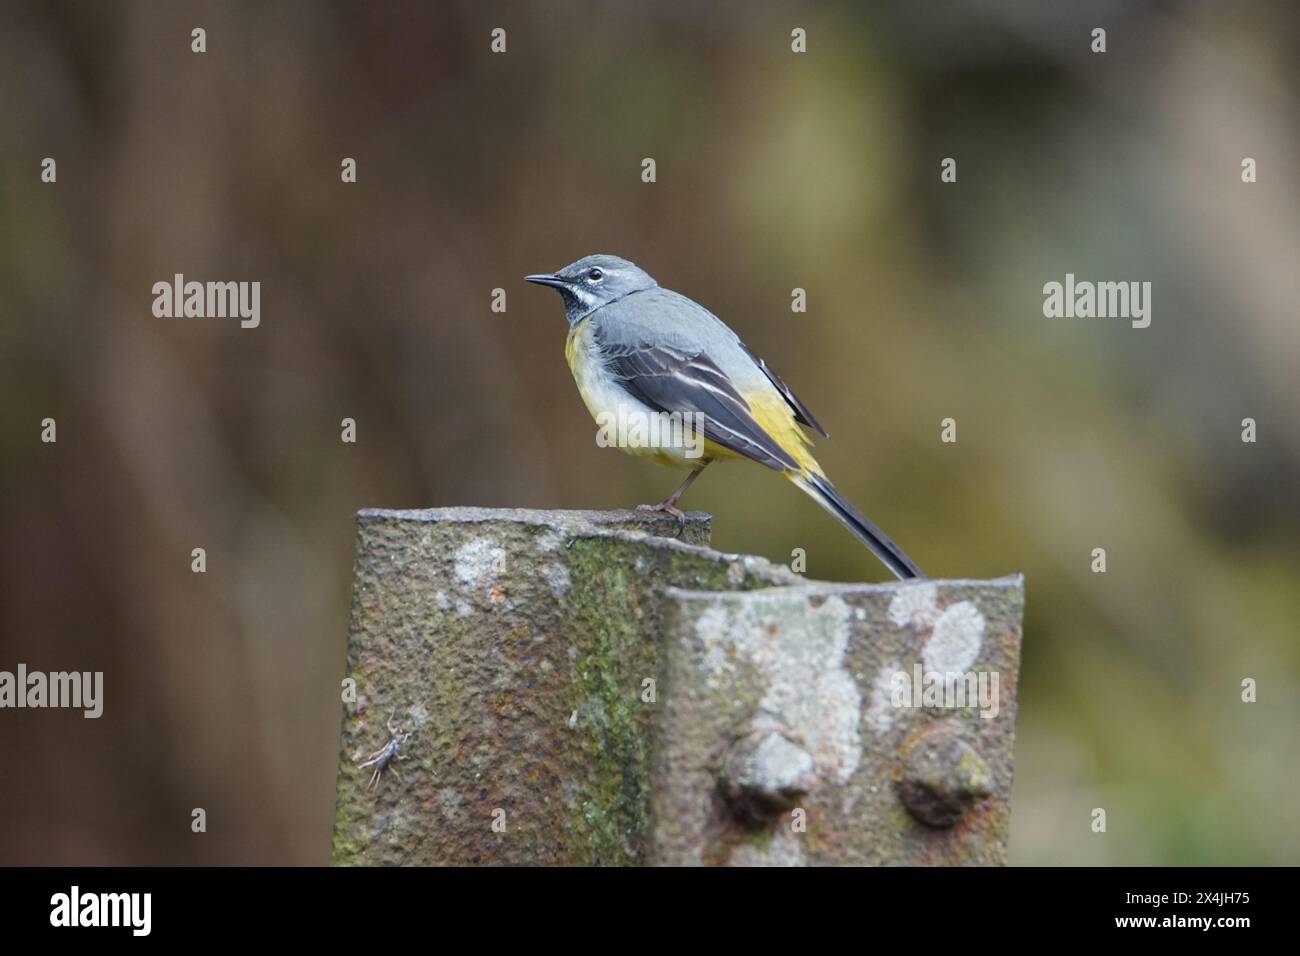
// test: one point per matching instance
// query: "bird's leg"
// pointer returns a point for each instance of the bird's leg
(669, 504)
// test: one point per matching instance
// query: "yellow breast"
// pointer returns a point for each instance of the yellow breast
(609, 403)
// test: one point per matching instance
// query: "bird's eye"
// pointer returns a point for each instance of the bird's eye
(595, 275)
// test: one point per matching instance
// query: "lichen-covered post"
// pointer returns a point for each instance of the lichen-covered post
(578, 688)
(515, 648)
(805, 710)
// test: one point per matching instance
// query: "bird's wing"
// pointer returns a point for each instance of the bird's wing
(678, 378)
(801, 413)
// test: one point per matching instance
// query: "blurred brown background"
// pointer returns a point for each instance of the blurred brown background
(775, 170)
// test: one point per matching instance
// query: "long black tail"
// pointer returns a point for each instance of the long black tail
(825, 494)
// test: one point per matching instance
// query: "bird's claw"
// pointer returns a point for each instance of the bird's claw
(669, 508)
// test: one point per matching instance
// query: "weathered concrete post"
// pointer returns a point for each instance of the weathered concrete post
(579, 689)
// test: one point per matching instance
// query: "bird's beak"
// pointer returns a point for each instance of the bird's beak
(546, 278)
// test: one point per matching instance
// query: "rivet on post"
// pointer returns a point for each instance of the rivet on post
(942, 776)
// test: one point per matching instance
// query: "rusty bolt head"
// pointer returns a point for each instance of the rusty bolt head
(764, 773)
(942, 776)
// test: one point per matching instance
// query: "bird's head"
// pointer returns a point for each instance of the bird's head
(589, 283)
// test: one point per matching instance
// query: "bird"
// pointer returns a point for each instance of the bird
(638, 350)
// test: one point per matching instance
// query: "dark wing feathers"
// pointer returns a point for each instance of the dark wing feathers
(672, 379)
(801, 413)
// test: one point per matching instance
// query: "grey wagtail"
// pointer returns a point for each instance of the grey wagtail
(638, 351)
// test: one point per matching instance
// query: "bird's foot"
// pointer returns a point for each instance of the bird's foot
(671, 508)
